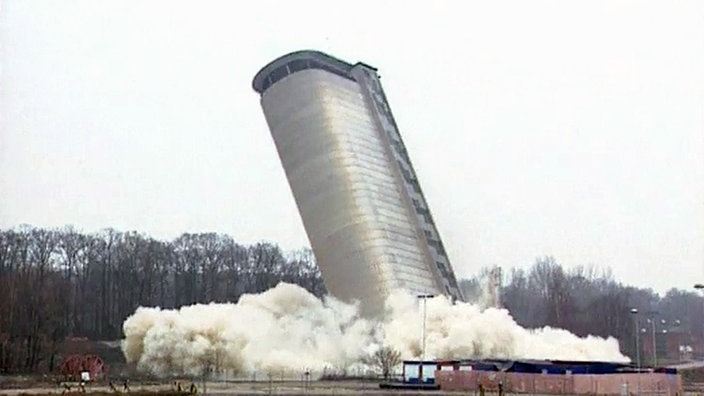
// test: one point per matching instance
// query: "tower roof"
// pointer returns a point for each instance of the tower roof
(297, 61)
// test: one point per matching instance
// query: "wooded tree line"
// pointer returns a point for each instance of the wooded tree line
(60, 283)
(586, 300)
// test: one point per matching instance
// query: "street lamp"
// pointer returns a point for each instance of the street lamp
(700, 287)
(424, 297)
(652, 327)
(634, 311)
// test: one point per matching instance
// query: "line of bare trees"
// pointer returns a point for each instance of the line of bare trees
(586, 300)
(59, 283)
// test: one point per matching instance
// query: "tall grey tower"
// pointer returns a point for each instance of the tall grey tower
(362, 206)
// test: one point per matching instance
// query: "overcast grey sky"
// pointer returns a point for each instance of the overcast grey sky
(572, 129)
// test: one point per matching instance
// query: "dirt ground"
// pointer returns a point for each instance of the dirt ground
(234, 388)
(227, 388)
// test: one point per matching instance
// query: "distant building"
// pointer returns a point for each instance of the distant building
(360, 200)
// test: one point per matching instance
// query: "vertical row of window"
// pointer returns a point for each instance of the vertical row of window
(411, 182)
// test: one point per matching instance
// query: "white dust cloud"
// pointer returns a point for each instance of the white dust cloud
(287, 329)
(465, 330)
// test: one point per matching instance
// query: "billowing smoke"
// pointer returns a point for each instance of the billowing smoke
(465, 330)
(287, 329)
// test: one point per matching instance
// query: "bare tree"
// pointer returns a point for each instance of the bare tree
(385, 359)
(59, 283)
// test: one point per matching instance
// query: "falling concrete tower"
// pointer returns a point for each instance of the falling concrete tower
(360, 200)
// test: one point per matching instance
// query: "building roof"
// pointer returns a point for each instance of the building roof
(297, 61)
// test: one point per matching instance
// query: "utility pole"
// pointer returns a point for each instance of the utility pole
(700, 287)
(634, 311)
(655, 350)
(651, 320)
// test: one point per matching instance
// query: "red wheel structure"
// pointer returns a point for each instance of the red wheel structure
(72, 367)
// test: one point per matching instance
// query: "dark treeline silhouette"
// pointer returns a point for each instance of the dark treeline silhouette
(63, 283)
(587, 301)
